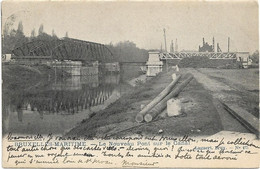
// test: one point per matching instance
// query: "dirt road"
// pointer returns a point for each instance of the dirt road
(228, 87)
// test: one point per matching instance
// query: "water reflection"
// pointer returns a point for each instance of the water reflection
(58, 106)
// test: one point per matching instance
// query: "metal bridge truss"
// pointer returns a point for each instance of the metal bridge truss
(65, 49)
(210, 55)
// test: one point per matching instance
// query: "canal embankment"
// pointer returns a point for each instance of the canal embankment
(16, 76)
(43, 99)
(198, 114)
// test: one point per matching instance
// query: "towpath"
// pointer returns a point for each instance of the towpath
(222, 89)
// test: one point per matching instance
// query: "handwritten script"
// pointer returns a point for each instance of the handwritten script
(135, 151)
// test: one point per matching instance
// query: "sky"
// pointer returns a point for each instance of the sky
(143, 22)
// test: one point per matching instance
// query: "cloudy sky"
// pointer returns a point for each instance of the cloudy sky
(143, 22)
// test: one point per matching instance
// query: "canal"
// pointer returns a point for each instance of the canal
(56, 106)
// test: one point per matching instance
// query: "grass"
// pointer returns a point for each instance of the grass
(123, 109)
(121, 114)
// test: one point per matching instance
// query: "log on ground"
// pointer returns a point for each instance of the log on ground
(140, 116)
(163, 103)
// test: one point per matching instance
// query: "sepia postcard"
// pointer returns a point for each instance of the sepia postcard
(130, 84)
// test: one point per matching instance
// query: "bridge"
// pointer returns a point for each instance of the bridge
(64, 49)
(210, 55)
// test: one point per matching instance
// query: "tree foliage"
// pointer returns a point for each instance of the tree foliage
(16, 38)
(40, 31)
(128, 52)
(123, 51)
(33, 33)
(255, 57)
(13, 38)
(20, 28)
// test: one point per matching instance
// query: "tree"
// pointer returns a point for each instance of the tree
(255, 57)
(53, 33)
(19, 36)
(128, 52)
(20, 27)
(6, 30)
(33, 33)
(9, 23)
(40, 31)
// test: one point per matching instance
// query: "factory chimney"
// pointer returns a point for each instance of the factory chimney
(228, 43)
(213, 44)
(172, 48)
(176, 45)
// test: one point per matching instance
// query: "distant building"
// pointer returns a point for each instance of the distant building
(206, 47)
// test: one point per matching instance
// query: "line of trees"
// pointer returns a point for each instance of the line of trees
(126, 51)
(15, 38)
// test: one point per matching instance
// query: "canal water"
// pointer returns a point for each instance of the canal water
(59, 105)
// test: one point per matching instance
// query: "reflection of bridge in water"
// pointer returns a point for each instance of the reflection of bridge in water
(76, 82)
(68, 102)
(66, 97)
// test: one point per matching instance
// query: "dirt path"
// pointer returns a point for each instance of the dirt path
(221, 92)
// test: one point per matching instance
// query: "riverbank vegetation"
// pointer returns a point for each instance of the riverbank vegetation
(126, 51)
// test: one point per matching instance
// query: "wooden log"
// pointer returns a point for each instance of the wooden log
(163, 103)
(140, 116)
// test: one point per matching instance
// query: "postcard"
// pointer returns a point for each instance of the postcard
(130, 84)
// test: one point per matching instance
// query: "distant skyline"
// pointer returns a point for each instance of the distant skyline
(143, 22)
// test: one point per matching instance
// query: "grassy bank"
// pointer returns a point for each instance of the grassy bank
(199, 118)
(21, 79)
(17, 77)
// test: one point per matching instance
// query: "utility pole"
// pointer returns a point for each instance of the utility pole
(165, 50)
(165, 40)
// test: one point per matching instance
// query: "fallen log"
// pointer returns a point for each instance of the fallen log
(140, 116)
(156, 110)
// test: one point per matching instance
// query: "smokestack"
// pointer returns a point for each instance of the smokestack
(228, 43)
(213, 44)
(176, 45)
(203, 41)
(171, 47)
(218, 48)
